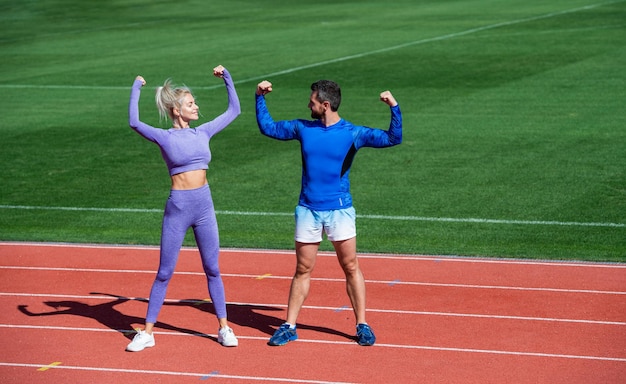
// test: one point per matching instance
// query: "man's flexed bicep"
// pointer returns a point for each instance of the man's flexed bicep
(281, 130)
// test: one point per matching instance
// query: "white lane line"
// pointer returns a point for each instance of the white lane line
(322, 308)
(214, 374)
(326, 279)
(437, 258)
(377, 345)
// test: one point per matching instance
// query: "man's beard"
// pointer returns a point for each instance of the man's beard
(315, 115)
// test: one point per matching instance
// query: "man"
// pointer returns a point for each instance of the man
(328, 145)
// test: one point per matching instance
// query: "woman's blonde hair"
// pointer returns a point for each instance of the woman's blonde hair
(169, 97)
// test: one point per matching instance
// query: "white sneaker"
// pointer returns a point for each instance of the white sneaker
(226, 337)
(141, 341)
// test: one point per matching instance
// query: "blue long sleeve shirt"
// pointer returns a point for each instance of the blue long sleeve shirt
(327, 153)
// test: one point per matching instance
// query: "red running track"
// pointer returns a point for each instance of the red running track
(68, 312)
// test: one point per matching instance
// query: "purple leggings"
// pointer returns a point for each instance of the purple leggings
(184, 209)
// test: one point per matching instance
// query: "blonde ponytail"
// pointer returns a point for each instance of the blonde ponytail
(168, 97)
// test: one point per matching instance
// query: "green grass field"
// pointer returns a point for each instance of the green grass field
(514, 117)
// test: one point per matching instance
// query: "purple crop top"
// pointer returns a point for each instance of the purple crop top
(184, 149)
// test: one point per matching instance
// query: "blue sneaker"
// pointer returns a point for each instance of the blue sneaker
(283, 335)
(365, 335)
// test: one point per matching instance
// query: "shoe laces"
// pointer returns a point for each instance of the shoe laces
(364, 331)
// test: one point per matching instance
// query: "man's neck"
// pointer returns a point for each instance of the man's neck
(331, 118)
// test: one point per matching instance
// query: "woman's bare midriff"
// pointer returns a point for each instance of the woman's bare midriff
(189, 180)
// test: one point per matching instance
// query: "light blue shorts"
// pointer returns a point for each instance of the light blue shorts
(339, 224)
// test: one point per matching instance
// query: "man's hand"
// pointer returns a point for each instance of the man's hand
(387, 98)
(263, 88)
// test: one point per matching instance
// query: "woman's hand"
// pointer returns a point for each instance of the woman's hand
(218, 71)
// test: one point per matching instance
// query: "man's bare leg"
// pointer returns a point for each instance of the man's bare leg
(355, 283)
(306, 254)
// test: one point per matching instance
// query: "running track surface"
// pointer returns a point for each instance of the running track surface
(68, 312)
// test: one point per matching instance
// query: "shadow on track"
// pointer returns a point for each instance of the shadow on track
(244, 315)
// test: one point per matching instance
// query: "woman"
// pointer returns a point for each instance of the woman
(187, 155)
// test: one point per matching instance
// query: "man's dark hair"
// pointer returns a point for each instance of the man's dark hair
(328, 91)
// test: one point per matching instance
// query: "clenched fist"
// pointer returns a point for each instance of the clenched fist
(263, 88)
(387, 98)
